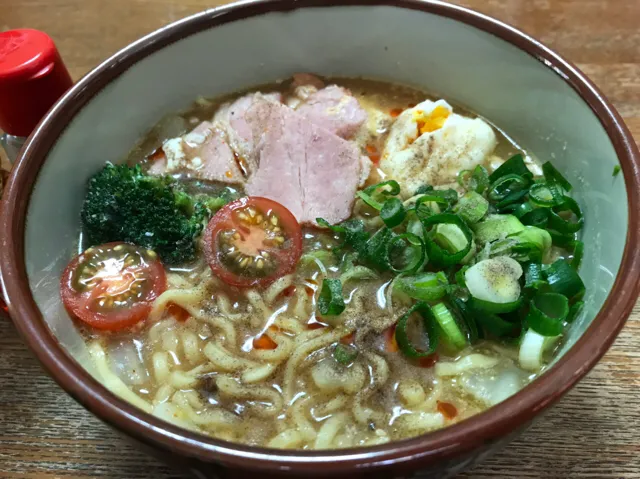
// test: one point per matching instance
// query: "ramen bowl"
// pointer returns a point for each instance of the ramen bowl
(490, 68)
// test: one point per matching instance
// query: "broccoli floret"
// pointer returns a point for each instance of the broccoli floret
(124, 204)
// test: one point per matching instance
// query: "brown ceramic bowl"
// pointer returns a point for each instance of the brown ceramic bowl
(543, 101)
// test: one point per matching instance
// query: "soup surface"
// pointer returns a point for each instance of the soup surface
(324, 264)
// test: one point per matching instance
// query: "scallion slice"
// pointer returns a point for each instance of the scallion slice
(405, 253)
(357, 272)
(506, 186)
(495, 227)
(430, 329)
(532, 348)
(449, 327)
(494, 324)
(562, 240)
(547, 313)
(537, 236)
(374, 195)
(476, 180)
(479, 179)
(345, 353)
(563, 279)
(533, 276)
(513, 166)
(465, 313)
(392, 212)
(495, 308)
(552, 175)
(374, 251)
(463, 178)
(423, 286)
(562, 225)
(545, 194)
(578, 253)
(574, 311)
(439, 255)
(472, 207)
(330, 301)
(536, 217)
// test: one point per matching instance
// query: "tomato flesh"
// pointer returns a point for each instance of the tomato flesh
(252, 241)
(112, 286)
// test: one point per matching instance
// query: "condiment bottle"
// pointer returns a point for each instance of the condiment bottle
(32, 78)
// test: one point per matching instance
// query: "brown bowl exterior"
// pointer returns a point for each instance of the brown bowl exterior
(439, 454)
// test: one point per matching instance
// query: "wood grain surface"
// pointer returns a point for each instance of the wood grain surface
(594, 432)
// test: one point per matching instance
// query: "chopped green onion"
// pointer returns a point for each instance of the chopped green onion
(459, 276)
(562, 240)
(479, 179)
(411, 250)
(578, 253)
(616, 171)
(351, 230)
(423, 211)
(423, 189)
(374, 251)
(330, 301)
(533, 276)
(325, 224)
(374, 194)
(532, 348)
(430, 328)
(463, 178)
(357, 272)
(345, 353)
(476, 180)
(495, 308)
(512, 186)
(450, 237)
(574, 311)
(322, 255)
(449, 327)
(415, 226)
(392, 212)
(513, 166)
(563, 279)
(423, 286)
(536, 217)
(464, 312)
(539, 237)
(439, 255)
(494, 324)
(545, 194)
(496, 280)
(526, 251)
(552, 175)
(495, 227)
(472, 207)
(547, 313)
(439, 196)
(561, 225)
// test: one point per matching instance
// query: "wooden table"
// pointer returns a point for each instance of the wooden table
(593, 432)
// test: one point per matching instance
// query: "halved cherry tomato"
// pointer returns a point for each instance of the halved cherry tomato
(252, 241)
(113, 285)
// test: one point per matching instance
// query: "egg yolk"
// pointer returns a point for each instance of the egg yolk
(433, 121)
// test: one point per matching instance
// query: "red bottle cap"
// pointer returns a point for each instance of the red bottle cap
(32, 78)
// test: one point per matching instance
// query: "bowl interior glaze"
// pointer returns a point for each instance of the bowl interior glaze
(446, 50)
